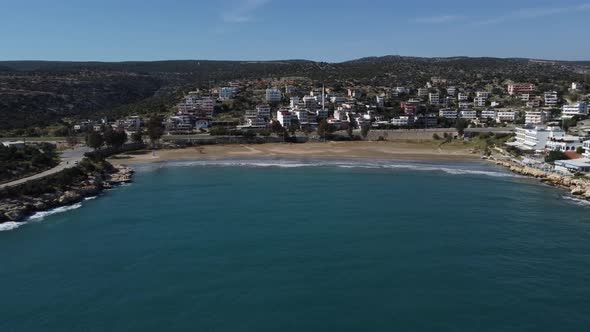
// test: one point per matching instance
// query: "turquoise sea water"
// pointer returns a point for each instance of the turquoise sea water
(304, 246)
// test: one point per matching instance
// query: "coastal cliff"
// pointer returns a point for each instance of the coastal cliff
(577, 187)
(19, 202)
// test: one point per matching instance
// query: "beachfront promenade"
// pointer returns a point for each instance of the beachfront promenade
(69, 159)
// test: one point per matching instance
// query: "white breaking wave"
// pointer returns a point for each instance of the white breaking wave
(90, 198)
(8, 226)
(446, 168)
(577, 201)
(41, 215)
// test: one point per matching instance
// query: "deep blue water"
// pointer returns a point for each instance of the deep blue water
(435, 247)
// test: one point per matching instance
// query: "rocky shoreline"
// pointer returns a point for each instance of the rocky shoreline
(577, 187)
(19, 208)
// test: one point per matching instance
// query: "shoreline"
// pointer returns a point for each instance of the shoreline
(20, 208)
(403, 151)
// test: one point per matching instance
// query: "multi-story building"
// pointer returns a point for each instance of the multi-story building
(462, 96)
(227, 92)
(397, 91)
(284, 117)
(294, 102)
(480, 101)
(468, 115)
(465, 106)
(380, 100)
(263, 111)
(535, 138)
(302, 116)
(576, 86)
(451, 91)
(484, 94)
(410, 108)
(525, 97)
(402, 121)
(422, 92)
(564, 144)
(520, 88)
(448, 113)
(273, 95)
(571, 110)
(434, 98)
(551, 98)
(194, 104)
(311, 102)
(505, 116)
(534, 117)
(487, 115)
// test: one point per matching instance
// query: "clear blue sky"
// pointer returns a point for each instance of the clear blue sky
(120, 30)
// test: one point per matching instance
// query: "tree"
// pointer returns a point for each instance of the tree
(137, 137)
(323, 128)
(555, 155)
(94, 140)
(460, 126)
(155, 129)
(119, 138)
(276, 127)
(72, 139)
(365, 130)
(579, 150)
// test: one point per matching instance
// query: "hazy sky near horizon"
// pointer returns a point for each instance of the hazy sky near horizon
(121, 30)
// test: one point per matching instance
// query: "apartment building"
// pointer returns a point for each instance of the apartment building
(273, 95)
(520, 88)
(571, 110)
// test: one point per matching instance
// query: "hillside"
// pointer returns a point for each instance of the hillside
(38, 93)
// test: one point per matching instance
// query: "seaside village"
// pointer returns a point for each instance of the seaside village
(541, 120)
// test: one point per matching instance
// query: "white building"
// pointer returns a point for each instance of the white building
(480, 101)
(564, 144)
(400, 90)
(402, 121)
(284, 117)
(380, 100)
(535, 117)
(227, 93)
(484, 94)
(488, 114)
(448, 113)
(571, 110)
(505, 116)
(311, 102)
(337, 99)
(422, 92)
(263, 111)
(293, 102)
(434, 98)
(462, 96)
(535, 139)
(551, 98)
(576, 86)
(273, 95)
(468, 115)
(451, 91)
(465, 106)
(302, 116)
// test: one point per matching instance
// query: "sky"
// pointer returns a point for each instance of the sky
(321, 30)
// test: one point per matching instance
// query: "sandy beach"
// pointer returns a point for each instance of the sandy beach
(419, 151)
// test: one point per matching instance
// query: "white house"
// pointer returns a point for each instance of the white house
(505, 116)
(535, 139)
(462, 96)
(535, 117)
(402, 121)
(284, 117)
(302, 115)
(451, 91)
(551, 98)
(273, 95)
(564, 144)
(480, 101)
(487, 114)
(448, 113)
(571, 110)
(468, 115)
(422, 92)
(434, 98)
(227, 93)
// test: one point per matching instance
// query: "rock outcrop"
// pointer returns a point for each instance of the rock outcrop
(18, 208)
(577, 186)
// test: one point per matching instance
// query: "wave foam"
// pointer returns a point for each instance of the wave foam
(577, 201)
(424, 167)
(10, 225)
(41, 215)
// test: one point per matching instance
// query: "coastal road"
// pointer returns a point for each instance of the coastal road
(69, 158)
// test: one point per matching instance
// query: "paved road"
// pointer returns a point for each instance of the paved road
(68, 160)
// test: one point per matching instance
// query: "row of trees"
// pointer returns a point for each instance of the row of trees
(117, 138)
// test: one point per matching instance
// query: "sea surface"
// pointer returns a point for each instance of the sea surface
(278, 245)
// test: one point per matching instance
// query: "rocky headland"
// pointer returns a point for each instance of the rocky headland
(20, 202)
